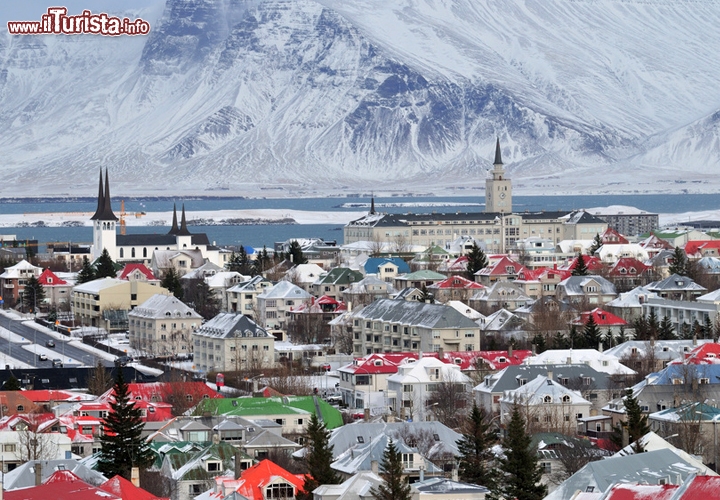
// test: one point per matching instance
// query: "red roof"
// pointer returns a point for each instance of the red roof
(459, 264)
(592, 263)
(387, 363)
(129, 268)
(252, 481)
(503, 267)
(623, 491)
(708, 353)
(45, 396)
(61, 485)
(611, 236)
(628, 266)
(161, 391)
(698, 246)
(702, 488)
(455, 282)
(49, 278)
(374, 364)
(552, 273)
(602, 318)
(121, 487)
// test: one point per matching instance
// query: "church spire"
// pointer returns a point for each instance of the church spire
(101, 202)
(174, 229)
(372, 205)
(183, 231)
(104, 207)
(498, 156)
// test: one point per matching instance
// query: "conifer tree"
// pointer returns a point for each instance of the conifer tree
(426, 296)
(33, 294)
(239, 262)
(576, 340)
(636, 424)
(295, 253)
(580, 268)
(394, 485)
(596, 244)
(520, 470)
(678, 263)
(653, 327)
(122, 444)
(87, 273)
(540, 342)
(591, 332)
(171, 281)
(559, 341)
(105, 267)
(476, 457)
(12, 384)
(477, 260)
(318, 457)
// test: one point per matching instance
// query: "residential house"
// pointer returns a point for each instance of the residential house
(363, 383)
(105, 302)
(601, 361)
(134, 271)
(163, 325)
(499, 295)
(263, 481)
(14, 279)
(454, 288)
(595, 386)
(629, 305)
(693, 426)
(305, 275)
(502, 324)
(676, 287)
(411, 388)
(316, 250)
(385, 268)
(310, 323)
(611, 326)
(334, 282)
(652, 355)
(367, 290)
(242, 298)
(591, 289)
(183, 261)
(232, 341)
(275, 304)
(57, 290)
(627, 273)
(191, 471)
(537, 253)
(546, 404)
(440, 488)
(418, 279)
(612, 237)
(611, 253)
(31, 472)
(703, 248)
(389, 325)
(356, 487)
(505, 269)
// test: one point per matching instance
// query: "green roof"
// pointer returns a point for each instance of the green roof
(425, 274)
(252, 407)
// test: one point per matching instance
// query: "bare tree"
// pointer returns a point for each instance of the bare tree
(285, 382)
(100, 380)
(448, 402)
(573, 457)
(33, 444)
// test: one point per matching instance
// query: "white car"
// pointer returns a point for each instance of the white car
(42, 357)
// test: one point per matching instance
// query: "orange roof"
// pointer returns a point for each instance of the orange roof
(253, 481)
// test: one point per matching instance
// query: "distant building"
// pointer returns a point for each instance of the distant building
(163, 325)
(628, 220)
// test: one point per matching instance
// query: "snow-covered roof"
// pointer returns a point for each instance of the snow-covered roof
(284, 290)
(539, 389)
(600, 361)
(164, 306)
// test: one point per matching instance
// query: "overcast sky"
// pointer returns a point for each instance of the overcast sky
(31, 10)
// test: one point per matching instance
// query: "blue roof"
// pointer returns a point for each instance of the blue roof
(372, 265)
(681, 371)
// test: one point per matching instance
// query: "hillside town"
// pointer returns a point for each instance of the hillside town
(563, 355)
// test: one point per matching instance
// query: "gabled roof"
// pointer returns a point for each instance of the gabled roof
(373, 264)
(611, 235)
(623, 491)
(339, 276)
(121, 487)
(592, 263)
(514, 376)
(49, 278)
(226, 325)
(142, 268)
(415, 313)
(61, 485)
(14, 272)
(456, 282)
(285, 290)
(541, 387)
(360, 457)
(704, 353)
(574, 285)
(628, 266)
(422, 275)
(697, 247)
(675, 282)
(161, 306)
(374, 364)
(601, 318)
(501, 291)
(252, 481)
(501, 320)
(504, 267)
(23, 476)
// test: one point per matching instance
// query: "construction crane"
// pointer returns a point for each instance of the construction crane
(124, 214)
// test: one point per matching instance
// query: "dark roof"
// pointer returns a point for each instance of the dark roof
(498, 156)
(129, 240)
(104, 209)
(67, 378)
(392, 220)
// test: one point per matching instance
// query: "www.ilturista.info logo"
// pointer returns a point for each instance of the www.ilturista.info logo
(57, 22)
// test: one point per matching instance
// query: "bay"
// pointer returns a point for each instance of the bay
(267, 234)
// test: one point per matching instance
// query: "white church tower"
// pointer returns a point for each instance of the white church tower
(498, 189)
(104, 222)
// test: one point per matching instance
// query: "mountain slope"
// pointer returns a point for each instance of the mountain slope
(233, 95)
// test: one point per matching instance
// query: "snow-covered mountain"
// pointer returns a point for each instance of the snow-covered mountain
(234, 96)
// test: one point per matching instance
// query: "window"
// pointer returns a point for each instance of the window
(9, 447)
(282, 490)
(547, 399)
(546, 467)
(213, 466)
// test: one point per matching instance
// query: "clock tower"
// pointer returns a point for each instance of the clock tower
(498, 189)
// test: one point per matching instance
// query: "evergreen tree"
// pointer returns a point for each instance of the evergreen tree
(318, 457)
(105, 267)
(295, 253)
(559, 341)
(198, 295)
(426, 296)
(33, 294)
(641, 328)
(394, 485)
(708, 328)
(171, 281)
(636, 424)
(653, 327)
(262, 261)
(576, 340)
(122, 444)
(477, 260)
(591, 332)
(12, 384)
(596, 244)
(520, 470)
(580, 268)
(539, 342)
(476, 456)
(678, 263)
(87, 273)
(240, 262)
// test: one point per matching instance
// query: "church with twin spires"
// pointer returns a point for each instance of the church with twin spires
(143, 247)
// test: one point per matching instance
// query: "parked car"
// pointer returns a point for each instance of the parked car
(50, 343)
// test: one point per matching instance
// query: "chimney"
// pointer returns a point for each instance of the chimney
(569, 360)
(600, 346)
(455, 474)
(510, 351)
(550, 374)
(135, 476)
(441, 354)
(533, 348)
(422, 473)
(38, 473)
(625, 436)
(374, 466)
(695, 339)
(366, 414)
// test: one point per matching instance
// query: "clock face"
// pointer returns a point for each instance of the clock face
(502, 195)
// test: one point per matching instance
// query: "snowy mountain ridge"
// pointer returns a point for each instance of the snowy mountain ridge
(308, 96)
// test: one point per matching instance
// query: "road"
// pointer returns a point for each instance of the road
(29, 350)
